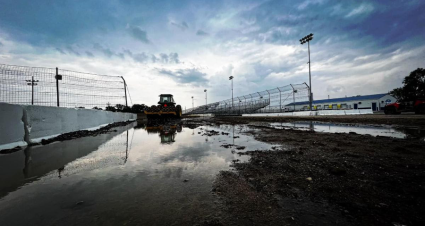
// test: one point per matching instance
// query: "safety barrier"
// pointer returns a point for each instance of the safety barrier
(317, 113)
(22, 124)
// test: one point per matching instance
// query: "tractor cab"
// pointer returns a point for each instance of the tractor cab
(166, 100)
(168, 135)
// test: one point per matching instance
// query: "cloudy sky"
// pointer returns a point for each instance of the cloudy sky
(183, 47)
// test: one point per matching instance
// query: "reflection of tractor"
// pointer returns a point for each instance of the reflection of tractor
(417, 106)
(166, 107)
(166, 132)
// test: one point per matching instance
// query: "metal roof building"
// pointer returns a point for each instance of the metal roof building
(376, 102)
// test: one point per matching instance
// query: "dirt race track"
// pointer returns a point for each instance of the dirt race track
(323, 178)
(402, 120)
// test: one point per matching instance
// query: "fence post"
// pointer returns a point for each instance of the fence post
(293, 94)
(32, 90)
(309, 96)
(280, 100)
(269, 101)
(57, 77)
(125, 91)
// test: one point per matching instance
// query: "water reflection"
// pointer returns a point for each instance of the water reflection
(166, 131)
(20, 168)
(386, 131)
(113, 178)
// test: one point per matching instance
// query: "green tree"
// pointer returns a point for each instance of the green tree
(137, 108)
(397, 93)
(110, 108)
(120, 107)
(413, 86)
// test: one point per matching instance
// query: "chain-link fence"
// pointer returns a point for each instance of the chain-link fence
(58, 87)
(280, 99)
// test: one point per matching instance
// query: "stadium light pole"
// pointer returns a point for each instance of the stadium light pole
(193, 106)
(307, 40)
(231, 78)
(206, 102)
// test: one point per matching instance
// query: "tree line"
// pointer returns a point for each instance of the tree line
(413, 87)
(136, 108)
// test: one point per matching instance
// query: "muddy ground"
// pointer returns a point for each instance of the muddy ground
(405, 119)
(325, 179)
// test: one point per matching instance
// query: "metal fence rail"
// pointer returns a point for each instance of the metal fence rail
(275, 100)
(58, 87)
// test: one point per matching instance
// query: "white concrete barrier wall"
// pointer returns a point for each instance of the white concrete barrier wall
(365, 111)
(314, 113)
(331, 112)
(12, 130)
(305, 113)
(46, 122)
(269, 114)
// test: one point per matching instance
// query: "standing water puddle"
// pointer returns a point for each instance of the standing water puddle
(158, 175)
(385, 131)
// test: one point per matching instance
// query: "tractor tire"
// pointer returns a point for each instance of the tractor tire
(391, 111)
(420, 109)
(179, 111)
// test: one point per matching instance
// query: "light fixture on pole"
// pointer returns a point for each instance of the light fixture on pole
(193, 106)
(307, 40)
(231, 78)
(206, 102)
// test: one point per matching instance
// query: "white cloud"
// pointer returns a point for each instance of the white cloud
(364, 8)
(367, 57)
(306, 3)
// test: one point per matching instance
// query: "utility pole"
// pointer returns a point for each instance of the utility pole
(231, 78)
(32, 83)
(307, 40)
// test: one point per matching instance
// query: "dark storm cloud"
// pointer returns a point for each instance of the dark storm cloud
(283, 22)
(186, 76)
(154, 59)
(141, 57)
(163, 57)
(89, 54)
(201, 33)
(174, 58)
(128, 52)
(146, 58)
(68, 22)
(60, 51)
(106, 51)
(45, 23)
(71, 50)
(139, 34)
(183, 25)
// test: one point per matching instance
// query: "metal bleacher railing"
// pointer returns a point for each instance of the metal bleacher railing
(269, 101)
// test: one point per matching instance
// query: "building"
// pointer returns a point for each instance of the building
(376, 102)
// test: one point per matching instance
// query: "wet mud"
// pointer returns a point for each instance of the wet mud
(404, 119)
(316, 178)
(220, 171)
